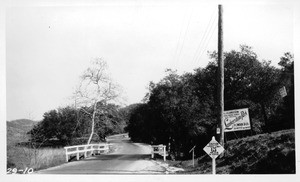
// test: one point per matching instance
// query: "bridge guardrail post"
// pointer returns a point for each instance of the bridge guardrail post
(85, 151)
(152, 152)
(77, 154)
(98, 149)
(67, 157)
(164, 153)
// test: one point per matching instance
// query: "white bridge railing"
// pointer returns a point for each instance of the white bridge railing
(159, 149)
(86, 150)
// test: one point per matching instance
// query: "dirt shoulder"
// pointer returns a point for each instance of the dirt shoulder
(272, 153)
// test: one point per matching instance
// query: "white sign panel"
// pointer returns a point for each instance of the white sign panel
(282, 92)
(236, 120)
(213, 148)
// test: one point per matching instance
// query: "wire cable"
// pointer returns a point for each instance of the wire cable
(207, 43)
(204, 37)
(178, 42)
(184, 37)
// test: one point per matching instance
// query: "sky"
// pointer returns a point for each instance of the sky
(48, 47)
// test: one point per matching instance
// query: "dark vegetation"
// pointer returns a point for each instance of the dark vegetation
(70, 126)
(272, 153)
(180, 110)
(39, 145)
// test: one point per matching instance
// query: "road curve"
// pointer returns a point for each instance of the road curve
(128, 157)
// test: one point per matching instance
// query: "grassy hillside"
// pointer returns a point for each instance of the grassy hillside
(17, 129)
(21, 157)
(272, 153)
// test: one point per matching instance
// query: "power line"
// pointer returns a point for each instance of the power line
(207, 43)
(184, 38)
(204, 37)
(200, 44)
(207, 37)
(176, 50)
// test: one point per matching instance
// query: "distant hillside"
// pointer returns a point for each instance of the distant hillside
(17, 129)
(272, 153)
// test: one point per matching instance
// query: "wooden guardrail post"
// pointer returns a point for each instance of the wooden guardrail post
(77, 154)
(152, 152)
(67, 157)
(85, 151)
(164, 153)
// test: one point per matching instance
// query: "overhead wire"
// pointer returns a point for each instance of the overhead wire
(178, 42)
(207, 43)
(184, 37)
(203, 37)
(203, 41)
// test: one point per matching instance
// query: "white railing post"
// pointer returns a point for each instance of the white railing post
(77, 154)
(164, 153)
(92, 149)
(152, 152)
(85, 151)
(67, 158)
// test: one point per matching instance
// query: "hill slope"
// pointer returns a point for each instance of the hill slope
(259, 154)
(17, 129)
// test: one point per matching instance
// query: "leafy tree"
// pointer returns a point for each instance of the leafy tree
(110, 121)
(285, 112)
(96, 89)
(180, 110)
(57, 125)
(250, 83)
(65, 126)
(174, 114)
(138, 126)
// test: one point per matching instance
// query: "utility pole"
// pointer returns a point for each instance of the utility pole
(220, 80)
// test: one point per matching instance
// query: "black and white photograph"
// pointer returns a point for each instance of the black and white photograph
(149, 90)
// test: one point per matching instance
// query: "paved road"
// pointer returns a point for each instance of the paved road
(127, 158)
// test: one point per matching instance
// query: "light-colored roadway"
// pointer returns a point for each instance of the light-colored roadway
(127, 158)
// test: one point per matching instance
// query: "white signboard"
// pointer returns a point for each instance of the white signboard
(159, 149)
(213, 148)
(236, 120)
(282, 91)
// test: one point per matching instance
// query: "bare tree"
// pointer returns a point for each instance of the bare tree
(95, 87)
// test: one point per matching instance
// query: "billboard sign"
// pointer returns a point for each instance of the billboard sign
(236, 120)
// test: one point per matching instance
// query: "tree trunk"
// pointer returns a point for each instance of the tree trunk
(93, 123)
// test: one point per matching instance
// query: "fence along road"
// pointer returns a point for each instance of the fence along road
(127, 157)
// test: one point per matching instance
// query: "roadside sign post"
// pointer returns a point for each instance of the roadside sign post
(193, 159)
(193, 154)
(159, 149)
(213, 165)
(213, 149)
